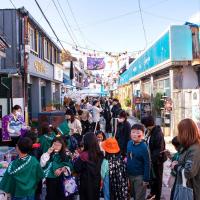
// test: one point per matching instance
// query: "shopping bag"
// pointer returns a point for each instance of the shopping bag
(70, 186)
(182, 191)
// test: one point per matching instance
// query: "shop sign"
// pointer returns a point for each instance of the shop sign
(39, 66)
(58, 73)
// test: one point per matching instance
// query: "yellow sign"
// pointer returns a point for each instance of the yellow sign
(39, 66)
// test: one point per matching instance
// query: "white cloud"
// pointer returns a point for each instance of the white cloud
(195, 18)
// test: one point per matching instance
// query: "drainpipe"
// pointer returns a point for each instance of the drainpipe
(25, 86)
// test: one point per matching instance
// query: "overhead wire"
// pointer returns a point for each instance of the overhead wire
(50, 26)
(163, 17)
(100, 51)
(70, 34)
(12, 4)
(119, 16)
(47, 7)
(75, 20)
(142, 21)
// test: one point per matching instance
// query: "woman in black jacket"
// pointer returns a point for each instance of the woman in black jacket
(107, 117)
(123, 132)
(88, 166)
(156, 143)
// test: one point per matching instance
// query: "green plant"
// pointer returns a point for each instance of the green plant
(158, 103)
(51, 103)
(127, 102)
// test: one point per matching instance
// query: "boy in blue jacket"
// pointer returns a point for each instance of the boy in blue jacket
(138, 162)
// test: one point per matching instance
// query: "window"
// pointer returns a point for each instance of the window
(147, 88)
(33, 39)
(54, 55)
(162, 86)
(47, 50)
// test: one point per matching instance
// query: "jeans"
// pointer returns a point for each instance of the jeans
(22, 198)
(106, 188)
(137, 188)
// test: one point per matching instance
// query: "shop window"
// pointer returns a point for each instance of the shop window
(167, 92)
(166, 83)
(147, 88)
(33, 39)
(161, 84)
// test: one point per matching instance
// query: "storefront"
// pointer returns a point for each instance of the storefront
(41, 85)
(160, 77)
(125, 96)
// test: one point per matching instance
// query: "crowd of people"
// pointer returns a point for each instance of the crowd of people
(95, 152)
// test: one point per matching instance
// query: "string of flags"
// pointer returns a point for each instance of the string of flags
(95, 53)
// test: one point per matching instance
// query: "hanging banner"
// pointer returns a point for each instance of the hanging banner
(95, 63)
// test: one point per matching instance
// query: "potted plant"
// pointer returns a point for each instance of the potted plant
(127, 102)
(50, 107)
(157, 105)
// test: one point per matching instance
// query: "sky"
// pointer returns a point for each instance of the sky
(109, 25)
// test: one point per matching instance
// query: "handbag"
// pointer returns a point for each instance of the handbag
(182, 191)
(70, 186)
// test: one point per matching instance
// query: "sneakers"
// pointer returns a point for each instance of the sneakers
(151, 197)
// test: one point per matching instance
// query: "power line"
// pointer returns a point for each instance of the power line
(13, 4)
(145, 36)
(119, 16)
(100, 51)
(45, 9)
(163, 17)
(50, 26)
(73, 15)
(75, 42)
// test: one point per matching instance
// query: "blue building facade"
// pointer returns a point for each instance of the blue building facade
(170, 67)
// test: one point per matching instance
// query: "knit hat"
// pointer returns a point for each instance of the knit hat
(110, 145)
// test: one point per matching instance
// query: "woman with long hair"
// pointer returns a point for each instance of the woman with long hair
(189, 160)
(88, 166)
